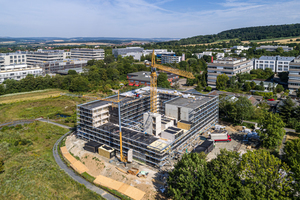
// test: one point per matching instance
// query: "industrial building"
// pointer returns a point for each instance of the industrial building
(294, 74)
(154, 138)
(87, 54)
(124, 51)
(229, 66)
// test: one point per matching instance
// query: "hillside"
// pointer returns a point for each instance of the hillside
(243, 34)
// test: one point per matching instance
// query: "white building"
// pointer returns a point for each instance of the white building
(266, 84)
(294, 74)
(18, 72)
(276, 63)
(41, 56)
(170, 59)
(229, 66)
(14, 58)
(241, 47)
(1, 62)
(210, 53)
(274, 48)
(156, 51)
(88, 54)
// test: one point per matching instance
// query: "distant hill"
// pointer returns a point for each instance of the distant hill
(244, 34)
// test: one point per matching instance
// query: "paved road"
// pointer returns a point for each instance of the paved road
(57, 124)
(74, 176)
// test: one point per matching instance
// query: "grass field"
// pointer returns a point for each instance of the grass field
(47, 107)
(30, 169)
(34, 95)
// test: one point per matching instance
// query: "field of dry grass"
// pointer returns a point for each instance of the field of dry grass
(34, 95)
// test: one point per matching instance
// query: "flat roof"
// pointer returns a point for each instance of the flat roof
(94, 104)
(189, 102)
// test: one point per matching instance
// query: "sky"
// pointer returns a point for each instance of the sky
(139, 18)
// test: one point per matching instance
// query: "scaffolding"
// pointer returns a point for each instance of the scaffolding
(147, 148)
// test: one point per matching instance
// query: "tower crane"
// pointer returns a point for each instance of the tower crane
(153, 80)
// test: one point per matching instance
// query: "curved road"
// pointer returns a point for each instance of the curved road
(76, 177)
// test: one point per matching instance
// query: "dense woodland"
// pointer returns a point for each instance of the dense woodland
(243, 34)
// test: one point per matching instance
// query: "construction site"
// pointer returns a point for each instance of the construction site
(126, 124)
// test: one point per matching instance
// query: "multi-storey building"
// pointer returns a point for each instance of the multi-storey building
(52, 67)
(154, 138)
(41, 56)
(124, 51)
(14, 58)
(210, 53)
(18, 72)
(88, 54)
(294, 74)
(229, 66)
(241, 47)
(276, 63)
(274, 48)
(170, 59)
(1, 62)
(143, 78)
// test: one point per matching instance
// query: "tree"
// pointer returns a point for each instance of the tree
(188, 179)
(222, 81)
(297, 127)
(247, 86)
(1, 165)
(279, 88)
(2, 90)
(162, 80)
(109, 59)
(262, 85)
(284, 76)
(271, 130)
(244, 109)
(253, 84)
(286, 109)
(292, 151)
(225, 181)
(79, 84)
(265, 175)
(298, 93)
(72, 72)
(208, 89)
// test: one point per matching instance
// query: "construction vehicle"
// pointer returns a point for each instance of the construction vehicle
(153, 80)
(133, 171)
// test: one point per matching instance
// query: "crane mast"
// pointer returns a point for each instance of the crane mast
(153, 80)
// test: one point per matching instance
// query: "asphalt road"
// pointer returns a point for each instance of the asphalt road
(74, 176)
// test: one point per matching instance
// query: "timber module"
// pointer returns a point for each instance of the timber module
(155, 138)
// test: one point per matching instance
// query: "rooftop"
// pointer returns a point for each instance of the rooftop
(189, 103)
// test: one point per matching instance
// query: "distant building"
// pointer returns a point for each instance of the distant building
(66, 71)
(14, 58)
(229, 66)
(276, 63)
(143, 78)
(41, 56)
(87, 54)
(274, 48)
(18, 72)
(210, 53)
(170, 59)
(156, 51)
(124, 51)
(241, 47)
(1, 62)
(294, 74)
(52, 67)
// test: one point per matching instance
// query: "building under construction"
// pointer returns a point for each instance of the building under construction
(155, 138)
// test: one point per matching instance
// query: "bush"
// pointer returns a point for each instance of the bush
(264, 94)
(208, 89)
(1, 165)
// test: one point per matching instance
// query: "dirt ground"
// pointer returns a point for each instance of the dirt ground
(99, 165)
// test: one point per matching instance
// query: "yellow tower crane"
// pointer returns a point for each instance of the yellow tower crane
(153, 80)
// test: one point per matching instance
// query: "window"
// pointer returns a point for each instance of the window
(22, 56)
(11, 57)
(286, 62)
(15, 56)
(131, 81)
(272, 62)
(15, 61)
(23, 60)
(11, 61)
(266, 61)
(280, 63)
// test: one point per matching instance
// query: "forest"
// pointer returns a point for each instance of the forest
(243, 34)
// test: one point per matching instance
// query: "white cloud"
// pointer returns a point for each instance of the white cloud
(136, 18)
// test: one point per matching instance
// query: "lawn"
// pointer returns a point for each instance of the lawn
(47, 107)
(30, 169)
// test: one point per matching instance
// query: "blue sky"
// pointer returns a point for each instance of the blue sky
(139, 18)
